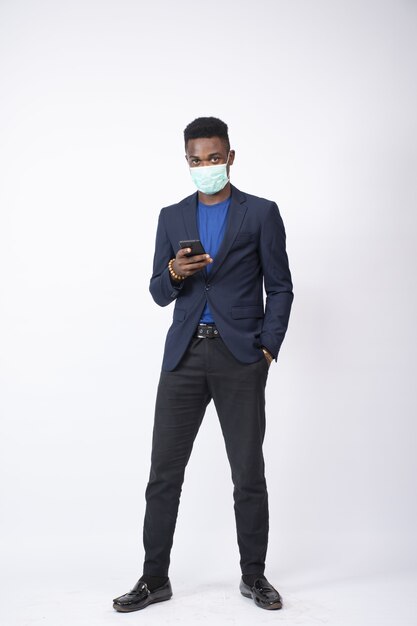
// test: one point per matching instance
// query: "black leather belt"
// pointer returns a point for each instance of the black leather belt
(206, 331)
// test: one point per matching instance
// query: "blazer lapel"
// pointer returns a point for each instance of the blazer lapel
(237, 210)
(189, 214)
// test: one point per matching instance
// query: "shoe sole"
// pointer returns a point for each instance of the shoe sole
(268, 607)
(122, 609)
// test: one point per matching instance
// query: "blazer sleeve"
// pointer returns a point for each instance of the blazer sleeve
(277, 280)
(162, 289)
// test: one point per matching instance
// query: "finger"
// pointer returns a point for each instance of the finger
(198, 258)
(193, 269)
(194, 265)
(183, 252)
(194, 260)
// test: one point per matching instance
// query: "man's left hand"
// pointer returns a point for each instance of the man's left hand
(267, 355)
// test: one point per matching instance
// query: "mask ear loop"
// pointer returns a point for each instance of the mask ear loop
(227, 162)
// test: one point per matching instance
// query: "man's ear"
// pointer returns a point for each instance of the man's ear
(232, 155)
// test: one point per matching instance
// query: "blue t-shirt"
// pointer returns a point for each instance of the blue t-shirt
(211, 220)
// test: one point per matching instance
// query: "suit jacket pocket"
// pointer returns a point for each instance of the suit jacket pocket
(240, 312)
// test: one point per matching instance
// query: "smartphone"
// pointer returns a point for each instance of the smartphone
(195, 245)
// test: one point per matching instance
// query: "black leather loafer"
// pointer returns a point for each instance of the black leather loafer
(262, 592)
(140, 597)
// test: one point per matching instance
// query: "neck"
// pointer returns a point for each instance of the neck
(214, 198)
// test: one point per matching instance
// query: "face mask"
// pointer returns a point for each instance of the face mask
(210, 179)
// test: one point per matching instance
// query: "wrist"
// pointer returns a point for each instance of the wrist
(177, 277)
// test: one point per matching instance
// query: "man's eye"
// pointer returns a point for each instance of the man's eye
(215, 159)
(194, 161)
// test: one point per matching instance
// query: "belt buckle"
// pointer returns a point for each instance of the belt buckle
(200, 331)
(209, 331)
(206, 331)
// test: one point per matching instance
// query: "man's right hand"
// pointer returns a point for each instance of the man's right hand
(189, 265)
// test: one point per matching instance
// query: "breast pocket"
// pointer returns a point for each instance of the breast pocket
(242, 240)
(244, 237)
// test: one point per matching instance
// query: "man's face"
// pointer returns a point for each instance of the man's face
(208, 151)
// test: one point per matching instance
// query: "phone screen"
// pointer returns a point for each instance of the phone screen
(195, 245)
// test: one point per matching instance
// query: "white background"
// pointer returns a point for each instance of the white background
(320, 98)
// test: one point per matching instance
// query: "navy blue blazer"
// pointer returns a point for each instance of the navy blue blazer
(251, 255)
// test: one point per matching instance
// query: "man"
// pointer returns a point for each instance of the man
(219, 346)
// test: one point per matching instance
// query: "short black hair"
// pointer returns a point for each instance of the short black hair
(207, 127)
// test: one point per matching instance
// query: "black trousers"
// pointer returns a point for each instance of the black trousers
(208, 371)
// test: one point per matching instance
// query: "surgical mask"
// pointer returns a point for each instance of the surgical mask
(210, 179)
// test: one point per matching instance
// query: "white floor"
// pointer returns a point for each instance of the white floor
(317, 598)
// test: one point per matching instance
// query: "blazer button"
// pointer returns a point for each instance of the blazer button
(208, 286)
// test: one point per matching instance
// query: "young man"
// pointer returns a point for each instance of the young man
(220, 345)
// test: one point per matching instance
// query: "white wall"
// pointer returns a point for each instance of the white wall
(320, 98)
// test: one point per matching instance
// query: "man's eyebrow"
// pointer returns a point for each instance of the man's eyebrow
(193, 156)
